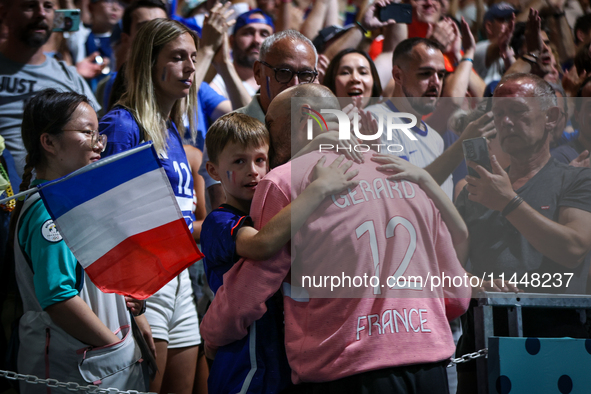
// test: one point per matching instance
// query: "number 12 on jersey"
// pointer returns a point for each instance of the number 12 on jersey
(393, 282)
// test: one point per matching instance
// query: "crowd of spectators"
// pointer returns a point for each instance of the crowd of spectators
(514, 73)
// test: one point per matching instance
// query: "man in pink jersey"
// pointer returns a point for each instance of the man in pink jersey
(392, 336)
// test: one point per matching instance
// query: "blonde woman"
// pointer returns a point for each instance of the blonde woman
(160, 90)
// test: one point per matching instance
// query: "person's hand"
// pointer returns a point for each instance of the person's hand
(146, 331)
(135, 306)
(214, 26)
(87, 68)
(366, 123)
(582, 160)
(334, 178)
(222, 56)
(352, 111)
(443, 32)
(496, 285)
(481, 127)
(533, 36)
(296, 16)
(323, 63)
(468, 42)
(401, 168)
(346, 147)
(370, 16)
(455, 47)
(571, 81)
(369, 124)
(493, 190)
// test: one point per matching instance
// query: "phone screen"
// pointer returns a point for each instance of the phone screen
(476, 150)
(66, 20)
(401, 13)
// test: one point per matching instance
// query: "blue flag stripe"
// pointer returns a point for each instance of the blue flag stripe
(60, 196)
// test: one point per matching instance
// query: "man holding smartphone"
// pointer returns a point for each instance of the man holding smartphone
(531, 221)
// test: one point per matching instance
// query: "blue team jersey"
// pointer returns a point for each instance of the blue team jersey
(207, 101)
(257, 363)
(123, 133)
(218, 242)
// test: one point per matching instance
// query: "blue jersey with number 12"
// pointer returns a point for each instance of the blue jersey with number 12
(123, 133)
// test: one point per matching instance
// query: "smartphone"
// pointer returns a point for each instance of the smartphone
(66, 20)
(476, 150)
(401, 13)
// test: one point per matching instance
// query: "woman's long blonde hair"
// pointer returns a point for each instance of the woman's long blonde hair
(140, 96)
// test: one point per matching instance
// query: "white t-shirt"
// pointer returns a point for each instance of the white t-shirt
(76, 42)
(492, 73)
(422, 152)
(220, 84)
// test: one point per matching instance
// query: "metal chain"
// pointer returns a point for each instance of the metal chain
(72, 386)
(468, 357)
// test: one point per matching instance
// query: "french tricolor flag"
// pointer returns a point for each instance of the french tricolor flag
(120, 218)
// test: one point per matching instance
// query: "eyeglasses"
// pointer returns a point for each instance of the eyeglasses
(95, 138)
(284, 75)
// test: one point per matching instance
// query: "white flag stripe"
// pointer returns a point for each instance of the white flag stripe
(133, 207)
(185, 203)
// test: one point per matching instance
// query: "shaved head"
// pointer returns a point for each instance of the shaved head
(281, 122)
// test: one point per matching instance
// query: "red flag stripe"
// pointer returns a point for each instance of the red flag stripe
(140, 265)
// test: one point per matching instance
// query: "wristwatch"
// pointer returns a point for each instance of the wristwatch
(143, 310)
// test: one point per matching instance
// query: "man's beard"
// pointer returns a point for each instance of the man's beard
(423, 105)
(35, 40)
(242, 59)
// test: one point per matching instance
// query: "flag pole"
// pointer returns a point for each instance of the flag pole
(100, 163)
(18, 195)
(81, 170)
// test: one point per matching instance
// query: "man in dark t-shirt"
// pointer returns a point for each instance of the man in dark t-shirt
(532, 220)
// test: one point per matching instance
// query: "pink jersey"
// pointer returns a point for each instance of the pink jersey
(382, 229)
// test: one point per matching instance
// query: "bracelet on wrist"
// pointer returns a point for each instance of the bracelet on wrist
(512, 205)
(464, 59)
(559, 14)
(363, 29)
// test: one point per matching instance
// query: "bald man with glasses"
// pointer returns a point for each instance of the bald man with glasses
(286, 59)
